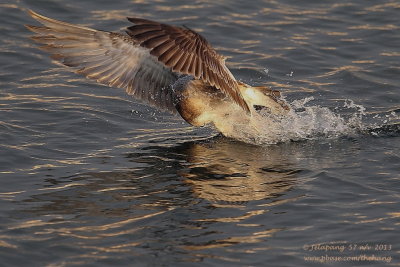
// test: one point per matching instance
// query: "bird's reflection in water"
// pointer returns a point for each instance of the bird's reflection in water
(222, 170)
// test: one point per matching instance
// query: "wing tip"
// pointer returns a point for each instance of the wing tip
(35, 15)
(53, 23)
(31, 12)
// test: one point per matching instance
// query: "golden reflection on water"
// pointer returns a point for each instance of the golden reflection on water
(243, 175)
(363, 61)
(109, 15)
(5, 244)
(247, 215)
(9, 6)
(180, 7)
(33, 98)
(382, 7)
(255, 237)
(386, 27)
(390, 54)
(348, 68)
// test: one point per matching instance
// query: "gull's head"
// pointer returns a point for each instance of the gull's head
(263, 99)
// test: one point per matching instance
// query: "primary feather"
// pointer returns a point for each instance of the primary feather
(109, 58)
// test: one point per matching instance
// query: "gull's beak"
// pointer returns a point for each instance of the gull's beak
(263, 99)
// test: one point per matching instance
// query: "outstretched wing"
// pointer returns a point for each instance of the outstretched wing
(109, 58)
(187, 52)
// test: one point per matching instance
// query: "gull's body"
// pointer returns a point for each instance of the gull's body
(171, 68)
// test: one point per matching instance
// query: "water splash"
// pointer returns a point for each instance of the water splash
(304, 122)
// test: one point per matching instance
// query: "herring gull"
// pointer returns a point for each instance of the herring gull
(171, 68)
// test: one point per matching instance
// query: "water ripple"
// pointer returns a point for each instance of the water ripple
(97, 178)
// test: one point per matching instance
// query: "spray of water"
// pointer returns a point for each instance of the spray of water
(303, 122)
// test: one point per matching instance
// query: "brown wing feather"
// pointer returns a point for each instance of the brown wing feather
(109, 58)
(187, 52)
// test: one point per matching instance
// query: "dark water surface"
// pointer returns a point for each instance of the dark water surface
(91, 177)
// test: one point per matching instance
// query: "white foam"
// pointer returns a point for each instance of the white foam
(302, 122)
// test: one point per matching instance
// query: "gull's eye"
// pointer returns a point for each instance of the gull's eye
(260, 108)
